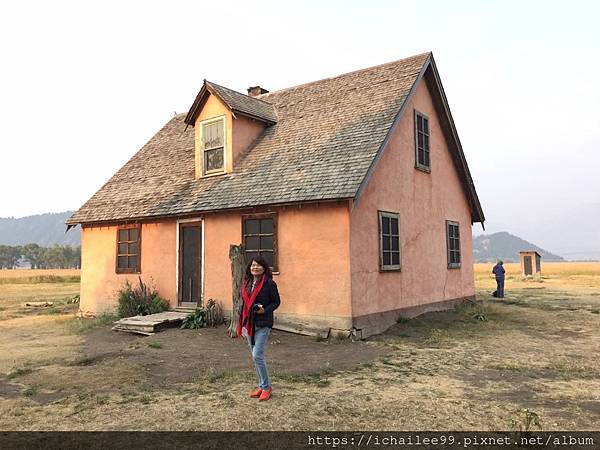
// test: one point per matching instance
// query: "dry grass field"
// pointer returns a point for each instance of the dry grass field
(30, 273)
(487, 366)
(24, 276)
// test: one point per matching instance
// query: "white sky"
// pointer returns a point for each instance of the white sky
(84, 85)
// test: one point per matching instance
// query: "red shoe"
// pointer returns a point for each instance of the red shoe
(265, 395)
(256, 393)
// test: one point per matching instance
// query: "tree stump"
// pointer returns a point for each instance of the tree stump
(238, 265)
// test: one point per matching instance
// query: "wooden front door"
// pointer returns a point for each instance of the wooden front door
(527, 262)
(190, 263)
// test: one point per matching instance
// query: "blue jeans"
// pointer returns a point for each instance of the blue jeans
(500, 290)
(258, 354)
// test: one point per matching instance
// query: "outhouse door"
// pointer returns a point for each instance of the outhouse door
(190, 263)
(527, 263)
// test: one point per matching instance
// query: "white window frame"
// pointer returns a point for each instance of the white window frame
(202, 124)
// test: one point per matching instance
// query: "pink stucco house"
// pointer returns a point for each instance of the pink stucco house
(354, 187)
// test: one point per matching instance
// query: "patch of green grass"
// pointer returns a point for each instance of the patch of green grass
(437, 336)
(324, 382)
(525, 419)
(396, 364)
(30, 392)
(318, 378)
(154, 344)
(18, 372)
(572, 369)
(509, 367)
(79, 325)
(84, 361)
(146, 399)
(219, 376)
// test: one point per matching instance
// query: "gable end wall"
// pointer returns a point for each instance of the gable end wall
(424, 201)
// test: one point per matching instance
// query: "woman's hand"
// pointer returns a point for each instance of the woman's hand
(260, 310)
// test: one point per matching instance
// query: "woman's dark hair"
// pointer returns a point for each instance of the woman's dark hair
(265, 265)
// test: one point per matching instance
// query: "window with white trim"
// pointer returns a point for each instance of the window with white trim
(213, 146)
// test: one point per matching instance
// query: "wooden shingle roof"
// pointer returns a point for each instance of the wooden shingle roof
(324, 141)
(236, 102)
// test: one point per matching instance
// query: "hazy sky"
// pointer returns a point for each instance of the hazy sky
(83, 85)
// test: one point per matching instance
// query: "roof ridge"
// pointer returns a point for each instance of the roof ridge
(241, 93)
(345, 74)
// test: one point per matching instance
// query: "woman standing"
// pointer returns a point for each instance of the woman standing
(261, 298)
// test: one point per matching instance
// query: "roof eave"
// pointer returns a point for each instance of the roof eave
(390, 132)
(269, 122)
(476, 209)
(190, 118)
(174, 216)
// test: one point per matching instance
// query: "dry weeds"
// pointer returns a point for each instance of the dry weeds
(25, 273)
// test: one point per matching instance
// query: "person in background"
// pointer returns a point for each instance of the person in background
(498, 271)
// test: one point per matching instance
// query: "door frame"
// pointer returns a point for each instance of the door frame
(527, 258)
(178, 266)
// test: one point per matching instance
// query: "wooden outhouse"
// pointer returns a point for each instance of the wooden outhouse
(527, 263)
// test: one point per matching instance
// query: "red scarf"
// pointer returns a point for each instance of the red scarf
(248, 302)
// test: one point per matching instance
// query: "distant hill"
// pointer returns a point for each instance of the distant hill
(505, 246)
(41, 229)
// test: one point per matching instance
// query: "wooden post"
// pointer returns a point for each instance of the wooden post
(238, 265)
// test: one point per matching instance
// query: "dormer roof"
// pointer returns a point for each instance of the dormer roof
(237, 102)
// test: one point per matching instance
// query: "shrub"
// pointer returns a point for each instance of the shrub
(140, 300)
(210, 315)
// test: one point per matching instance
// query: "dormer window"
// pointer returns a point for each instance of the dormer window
(212, 138)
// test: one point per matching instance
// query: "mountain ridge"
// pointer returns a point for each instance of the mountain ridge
(505, 246)
(42, 229)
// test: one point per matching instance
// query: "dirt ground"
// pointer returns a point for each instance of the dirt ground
(487, 366)
(190, 354)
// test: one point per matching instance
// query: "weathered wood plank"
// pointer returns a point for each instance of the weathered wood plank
(36, 304)
(148, 325)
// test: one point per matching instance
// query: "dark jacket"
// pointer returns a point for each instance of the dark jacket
(269, 298)
(498, 270)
